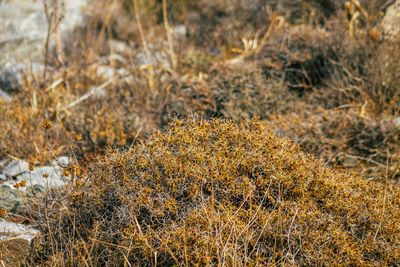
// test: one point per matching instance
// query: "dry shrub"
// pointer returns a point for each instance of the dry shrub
(347, 95)
(98, 120)
(242, 92)
(228, 22)
(300, 73)
(341, 137)
(218, 192)
(382, 79)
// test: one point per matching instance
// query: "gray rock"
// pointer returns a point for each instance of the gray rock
(120, 47)
(40, 178)
(15, 167)
(105, 60)
(14, 201)
(10, 230)
(105, 72)
(16, 239)
(62, 161)
(108, 73)
(391, 21)
(36, 178)
(4, 96)
(11, 74)
(396, 122)
(158, 56)
(23, 32)
(11, 200)
(180, 30)
(4, 163)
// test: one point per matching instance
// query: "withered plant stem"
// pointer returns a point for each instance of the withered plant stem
(169, 36)
(145, 47)
(53, 18)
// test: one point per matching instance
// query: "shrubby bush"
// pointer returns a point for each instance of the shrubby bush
(218, 192)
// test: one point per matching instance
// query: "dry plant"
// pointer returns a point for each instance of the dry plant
(149, 67)
(220, 193)
(54, 12)
(169, 36)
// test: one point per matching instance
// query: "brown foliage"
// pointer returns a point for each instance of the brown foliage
(219, 192)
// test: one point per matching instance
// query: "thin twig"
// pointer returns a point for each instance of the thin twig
(88, 94)
(290, 229)
(384, 197)
(137, 134)
(48, 224)
(46, 46)
(54, 18)
(366, 159)
(145, 46)
(169, 37)
(386, 5)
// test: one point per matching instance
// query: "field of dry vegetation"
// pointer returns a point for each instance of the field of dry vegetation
(230, 133)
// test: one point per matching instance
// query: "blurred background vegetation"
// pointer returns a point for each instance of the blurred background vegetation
(320, 72)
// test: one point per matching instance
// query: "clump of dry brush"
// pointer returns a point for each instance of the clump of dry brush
(218, 192)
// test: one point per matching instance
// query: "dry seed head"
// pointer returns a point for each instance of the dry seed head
(375, 35)
(31, 167)
(45, 175)
(22, 183)
(78, 137)
(67, 172)
(47, 124)
(3, 212)
(74, 166)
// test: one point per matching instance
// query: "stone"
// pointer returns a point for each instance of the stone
(15, 167)
(157, 57)
(180, 30)
(391, 21)
(120, 47)
(3, 163)
(16, 243)
(23, 33)
(105, 72)
(108, 73)
(62, 161)
(11, 200)
(37, 178)
(396, 122)
(11, 76)
(4, 96)
(40, 179)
